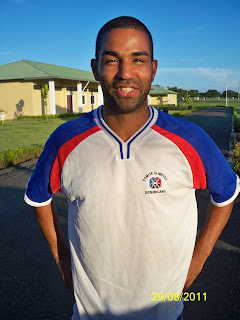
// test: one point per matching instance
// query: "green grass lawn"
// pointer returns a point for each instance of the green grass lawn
(21, 140)
(22, 133)
(210, 103)
(27, 133)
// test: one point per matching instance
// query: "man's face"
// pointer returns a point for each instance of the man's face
(125, 70)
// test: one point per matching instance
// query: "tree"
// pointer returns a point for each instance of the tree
(44, 95)
(159, 98)
(212, 94)
(175, 89)
(187, 98)
(230, 94)
(193, 93)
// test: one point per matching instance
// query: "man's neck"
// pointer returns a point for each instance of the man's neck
(126, 124)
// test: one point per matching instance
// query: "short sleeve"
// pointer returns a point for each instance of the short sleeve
(46, 178)
(222, 182)
(38, 192)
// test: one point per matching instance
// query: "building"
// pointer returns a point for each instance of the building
(167, 97)
(70, 90)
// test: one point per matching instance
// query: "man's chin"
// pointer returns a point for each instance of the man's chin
(127, 108)
(127, 105)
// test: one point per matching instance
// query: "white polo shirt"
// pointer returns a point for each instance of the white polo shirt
(132, 210)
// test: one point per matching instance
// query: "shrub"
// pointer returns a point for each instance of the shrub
(12, 157)
(236, 122)
(176, 114)
(236, 158)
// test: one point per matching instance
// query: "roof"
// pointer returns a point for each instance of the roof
(158, 90)
(26, 70)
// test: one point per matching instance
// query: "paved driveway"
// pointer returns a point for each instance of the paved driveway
(220, 277)
(216, 121)
(31, 288)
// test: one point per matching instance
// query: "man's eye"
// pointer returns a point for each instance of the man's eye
(138, 60)
(111, 61)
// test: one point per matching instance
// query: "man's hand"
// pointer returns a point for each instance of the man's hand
(217, 218)
(64, 267)
(194, 270)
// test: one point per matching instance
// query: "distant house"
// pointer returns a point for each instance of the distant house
(167, 96)
(70, 90)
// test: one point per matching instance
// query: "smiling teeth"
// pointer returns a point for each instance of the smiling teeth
(127, 90)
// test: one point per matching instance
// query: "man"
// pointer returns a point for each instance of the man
(129, 173)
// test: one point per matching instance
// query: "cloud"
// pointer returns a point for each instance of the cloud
(189, 60)
(5, 53)
(199, 78)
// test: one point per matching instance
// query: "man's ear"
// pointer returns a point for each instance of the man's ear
(94, 66)
(154, 68)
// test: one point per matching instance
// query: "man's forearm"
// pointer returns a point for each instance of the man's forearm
(49, 224)
(217, 218)
(47, 218)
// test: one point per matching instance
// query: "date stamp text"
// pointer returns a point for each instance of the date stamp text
(175, 296)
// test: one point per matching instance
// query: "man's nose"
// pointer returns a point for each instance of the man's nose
(124, 70)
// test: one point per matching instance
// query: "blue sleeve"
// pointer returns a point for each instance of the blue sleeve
(222, 181)
(38, 192)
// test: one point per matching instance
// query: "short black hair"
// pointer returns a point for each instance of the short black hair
(123, 22)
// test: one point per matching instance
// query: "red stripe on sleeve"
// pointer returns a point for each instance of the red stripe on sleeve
(63, 152)
(193, 158)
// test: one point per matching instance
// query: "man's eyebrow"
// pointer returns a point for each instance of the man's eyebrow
(110, 53)
(134, 54)
(140, 53)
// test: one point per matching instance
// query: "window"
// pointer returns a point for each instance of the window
(37, 87)
(93, 99)
(83, 99)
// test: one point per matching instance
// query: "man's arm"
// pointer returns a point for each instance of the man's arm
(47, 218)
(217, 218)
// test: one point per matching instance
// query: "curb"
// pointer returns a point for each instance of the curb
(19, 166)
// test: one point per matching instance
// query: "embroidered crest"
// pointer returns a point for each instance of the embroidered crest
(155, 183)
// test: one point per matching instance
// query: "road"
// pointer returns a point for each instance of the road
(31, 288)
(220, 277)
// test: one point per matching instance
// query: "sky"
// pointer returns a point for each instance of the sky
(196, 43)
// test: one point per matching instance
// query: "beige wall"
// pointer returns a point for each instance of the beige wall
(164, 100)
(20, 97)
(15, 98)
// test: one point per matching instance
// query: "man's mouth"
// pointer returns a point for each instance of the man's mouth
(127, 90)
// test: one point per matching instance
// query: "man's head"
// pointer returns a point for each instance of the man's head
(123, 22)
(124, 64)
